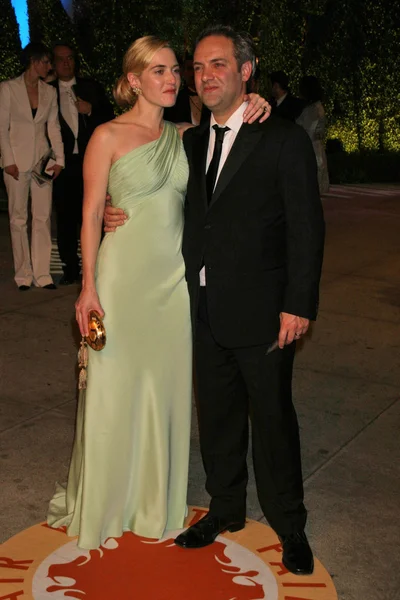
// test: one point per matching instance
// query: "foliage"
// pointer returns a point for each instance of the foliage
(352, 46)
(106, 30)
(49, 23)
(355, 53)
(10, 45)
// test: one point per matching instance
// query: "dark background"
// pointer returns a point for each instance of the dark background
(352, 46)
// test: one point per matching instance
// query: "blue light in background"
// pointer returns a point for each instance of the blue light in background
(21, 13)
(22, 18)
(68, 7)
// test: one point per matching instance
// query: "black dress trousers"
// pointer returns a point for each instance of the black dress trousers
(68, 196)
(231, 385)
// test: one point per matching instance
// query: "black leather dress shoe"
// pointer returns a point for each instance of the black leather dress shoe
(24, 288)
(297, 555)
(205, 531)
(50, 286)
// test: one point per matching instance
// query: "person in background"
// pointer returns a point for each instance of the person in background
(28, 119)
(188, 108)
(313, 120)
(284, 104)
(83, 106)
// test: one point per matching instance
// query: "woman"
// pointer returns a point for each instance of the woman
(129, 466)
(28, 114)
(312, 119)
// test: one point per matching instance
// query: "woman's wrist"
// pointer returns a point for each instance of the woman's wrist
(88, 286)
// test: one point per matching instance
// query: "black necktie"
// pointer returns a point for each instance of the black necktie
(213, 167)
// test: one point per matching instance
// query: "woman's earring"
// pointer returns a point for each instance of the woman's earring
(136, 90)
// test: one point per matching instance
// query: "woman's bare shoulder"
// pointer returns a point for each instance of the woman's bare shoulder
(104, 132)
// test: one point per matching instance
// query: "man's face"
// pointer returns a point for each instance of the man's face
(64, 63)
(219, 83)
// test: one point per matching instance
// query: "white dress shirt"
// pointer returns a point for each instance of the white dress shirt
(68, 108)
(234, 123)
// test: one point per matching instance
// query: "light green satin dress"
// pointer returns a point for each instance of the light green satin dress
(129, 467)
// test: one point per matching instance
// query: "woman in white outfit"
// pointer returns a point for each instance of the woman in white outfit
(312, 119)
(28, 118)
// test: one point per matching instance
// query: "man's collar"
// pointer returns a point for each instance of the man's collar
(281, 99)
(235, 121)
(67, 84)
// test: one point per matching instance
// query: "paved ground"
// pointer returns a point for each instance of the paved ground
(347, 395)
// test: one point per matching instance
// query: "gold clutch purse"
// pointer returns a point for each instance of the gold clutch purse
(96, 340)
(97, 332)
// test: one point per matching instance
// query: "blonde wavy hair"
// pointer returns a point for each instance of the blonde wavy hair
(137, 58)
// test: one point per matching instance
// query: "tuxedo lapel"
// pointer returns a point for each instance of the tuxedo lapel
(245, 142)
(199, 157)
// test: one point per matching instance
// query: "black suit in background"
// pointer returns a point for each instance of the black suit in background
(290, 108)
(68, 187)
(261, 241)
(181, 111)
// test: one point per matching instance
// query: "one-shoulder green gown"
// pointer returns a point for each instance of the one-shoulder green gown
(129, 465)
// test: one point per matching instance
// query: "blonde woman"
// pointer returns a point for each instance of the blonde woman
(129, 468)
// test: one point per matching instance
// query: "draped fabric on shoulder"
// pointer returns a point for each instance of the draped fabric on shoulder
(130, 458)
(161, 157)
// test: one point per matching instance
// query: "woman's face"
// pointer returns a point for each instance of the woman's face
(42, 66)
(161, 80)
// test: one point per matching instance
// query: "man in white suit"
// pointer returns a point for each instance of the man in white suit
(28, 118)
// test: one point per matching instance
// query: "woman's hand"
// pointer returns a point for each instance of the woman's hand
(88, 300)
(258, 107)
(13, 171)
(57, 170)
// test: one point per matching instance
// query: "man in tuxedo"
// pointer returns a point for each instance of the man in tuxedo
(188, 107)
(253, 247)
(283, 103)
(82, 106)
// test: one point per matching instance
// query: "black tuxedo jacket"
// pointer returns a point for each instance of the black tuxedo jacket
(290, 108)
(261, 239)
(181, 112)
(102, 111)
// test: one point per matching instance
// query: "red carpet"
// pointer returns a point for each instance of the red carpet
(44, 564)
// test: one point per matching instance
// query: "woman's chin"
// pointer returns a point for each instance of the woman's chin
(169, 101)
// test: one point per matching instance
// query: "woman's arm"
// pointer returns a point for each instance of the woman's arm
(96, 168)
(6, 151)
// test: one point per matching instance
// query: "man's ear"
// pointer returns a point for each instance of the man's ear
(246, 70)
